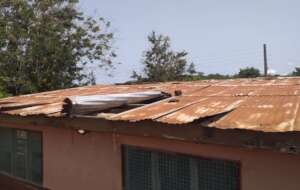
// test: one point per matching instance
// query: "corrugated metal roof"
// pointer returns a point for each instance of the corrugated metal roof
(269, 105)
(264, 113)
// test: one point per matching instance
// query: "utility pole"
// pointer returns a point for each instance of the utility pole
(265, 61)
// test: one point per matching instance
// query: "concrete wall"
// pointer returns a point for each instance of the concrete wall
(8, 182)
(93, 161)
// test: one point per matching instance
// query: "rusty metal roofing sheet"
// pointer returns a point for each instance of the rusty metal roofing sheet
(182, 110)
(205, 108)
(159, 109)
(222, 91)
(278, 90)
(45, 109)
(269, 105)
(263, 113)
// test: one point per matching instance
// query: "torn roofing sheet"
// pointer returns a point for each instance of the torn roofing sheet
(181, 110)
(269, 105)
(88, 104)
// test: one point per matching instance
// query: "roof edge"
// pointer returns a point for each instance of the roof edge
(287, 142)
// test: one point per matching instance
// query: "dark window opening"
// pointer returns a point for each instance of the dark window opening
(21, 154)
(153, 170)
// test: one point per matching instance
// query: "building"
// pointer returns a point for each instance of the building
(8, 182)
(240, 134)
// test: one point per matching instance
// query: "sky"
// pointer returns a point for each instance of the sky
(221, 36)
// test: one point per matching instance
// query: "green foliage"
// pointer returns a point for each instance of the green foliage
(161, 63)
(202, 76)
(218, 76)
(248, 72)
(2, 91)
(296, 72)
(49, 44)
(191, 70)
(2, 94)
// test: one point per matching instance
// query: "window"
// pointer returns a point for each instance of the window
(152, 170)
(21, 154)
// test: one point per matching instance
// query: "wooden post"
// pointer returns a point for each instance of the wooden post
(265, 61)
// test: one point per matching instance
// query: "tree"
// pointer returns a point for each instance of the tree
(218, 76)
(248, 72)
(191, 70)
(2, 91)
(49, 44)
(160, 62)
(296, 72)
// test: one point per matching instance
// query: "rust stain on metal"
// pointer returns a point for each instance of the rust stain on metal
(263, 113)
(37, 110)
(157, 110)
(223, 91)
(207, 107)
(269, 105)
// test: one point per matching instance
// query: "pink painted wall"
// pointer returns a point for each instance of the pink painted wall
(93, 161)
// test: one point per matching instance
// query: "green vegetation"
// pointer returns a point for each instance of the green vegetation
(49, 44)
(248, 72)
(2, 91)
(161, 63)
(296, 72)
(202, 76)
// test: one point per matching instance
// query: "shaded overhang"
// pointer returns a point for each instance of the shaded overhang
(287, 142)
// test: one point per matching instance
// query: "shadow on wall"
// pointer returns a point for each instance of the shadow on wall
(8, 182)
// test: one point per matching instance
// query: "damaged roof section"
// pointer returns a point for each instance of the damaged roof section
(269, 105)
(77, 105)
(181, 110)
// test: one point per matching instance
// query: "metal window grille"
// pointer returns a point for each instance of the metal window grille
(152, 170)
(138, 169)
(174, 172)
(21, 154)
(217, 175)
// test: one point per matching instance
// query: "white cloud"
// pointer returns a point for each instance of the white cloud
(272, 71)
(291, 63)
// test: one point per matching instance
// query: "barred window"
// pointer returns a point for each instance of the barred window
(21, 154)
(153, 170)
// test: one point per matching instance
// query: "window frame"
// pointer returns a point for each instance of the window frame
(28, 164)
(191, 156)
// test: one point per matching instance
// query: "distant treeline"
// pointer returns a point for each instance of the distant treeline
(248, 72)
